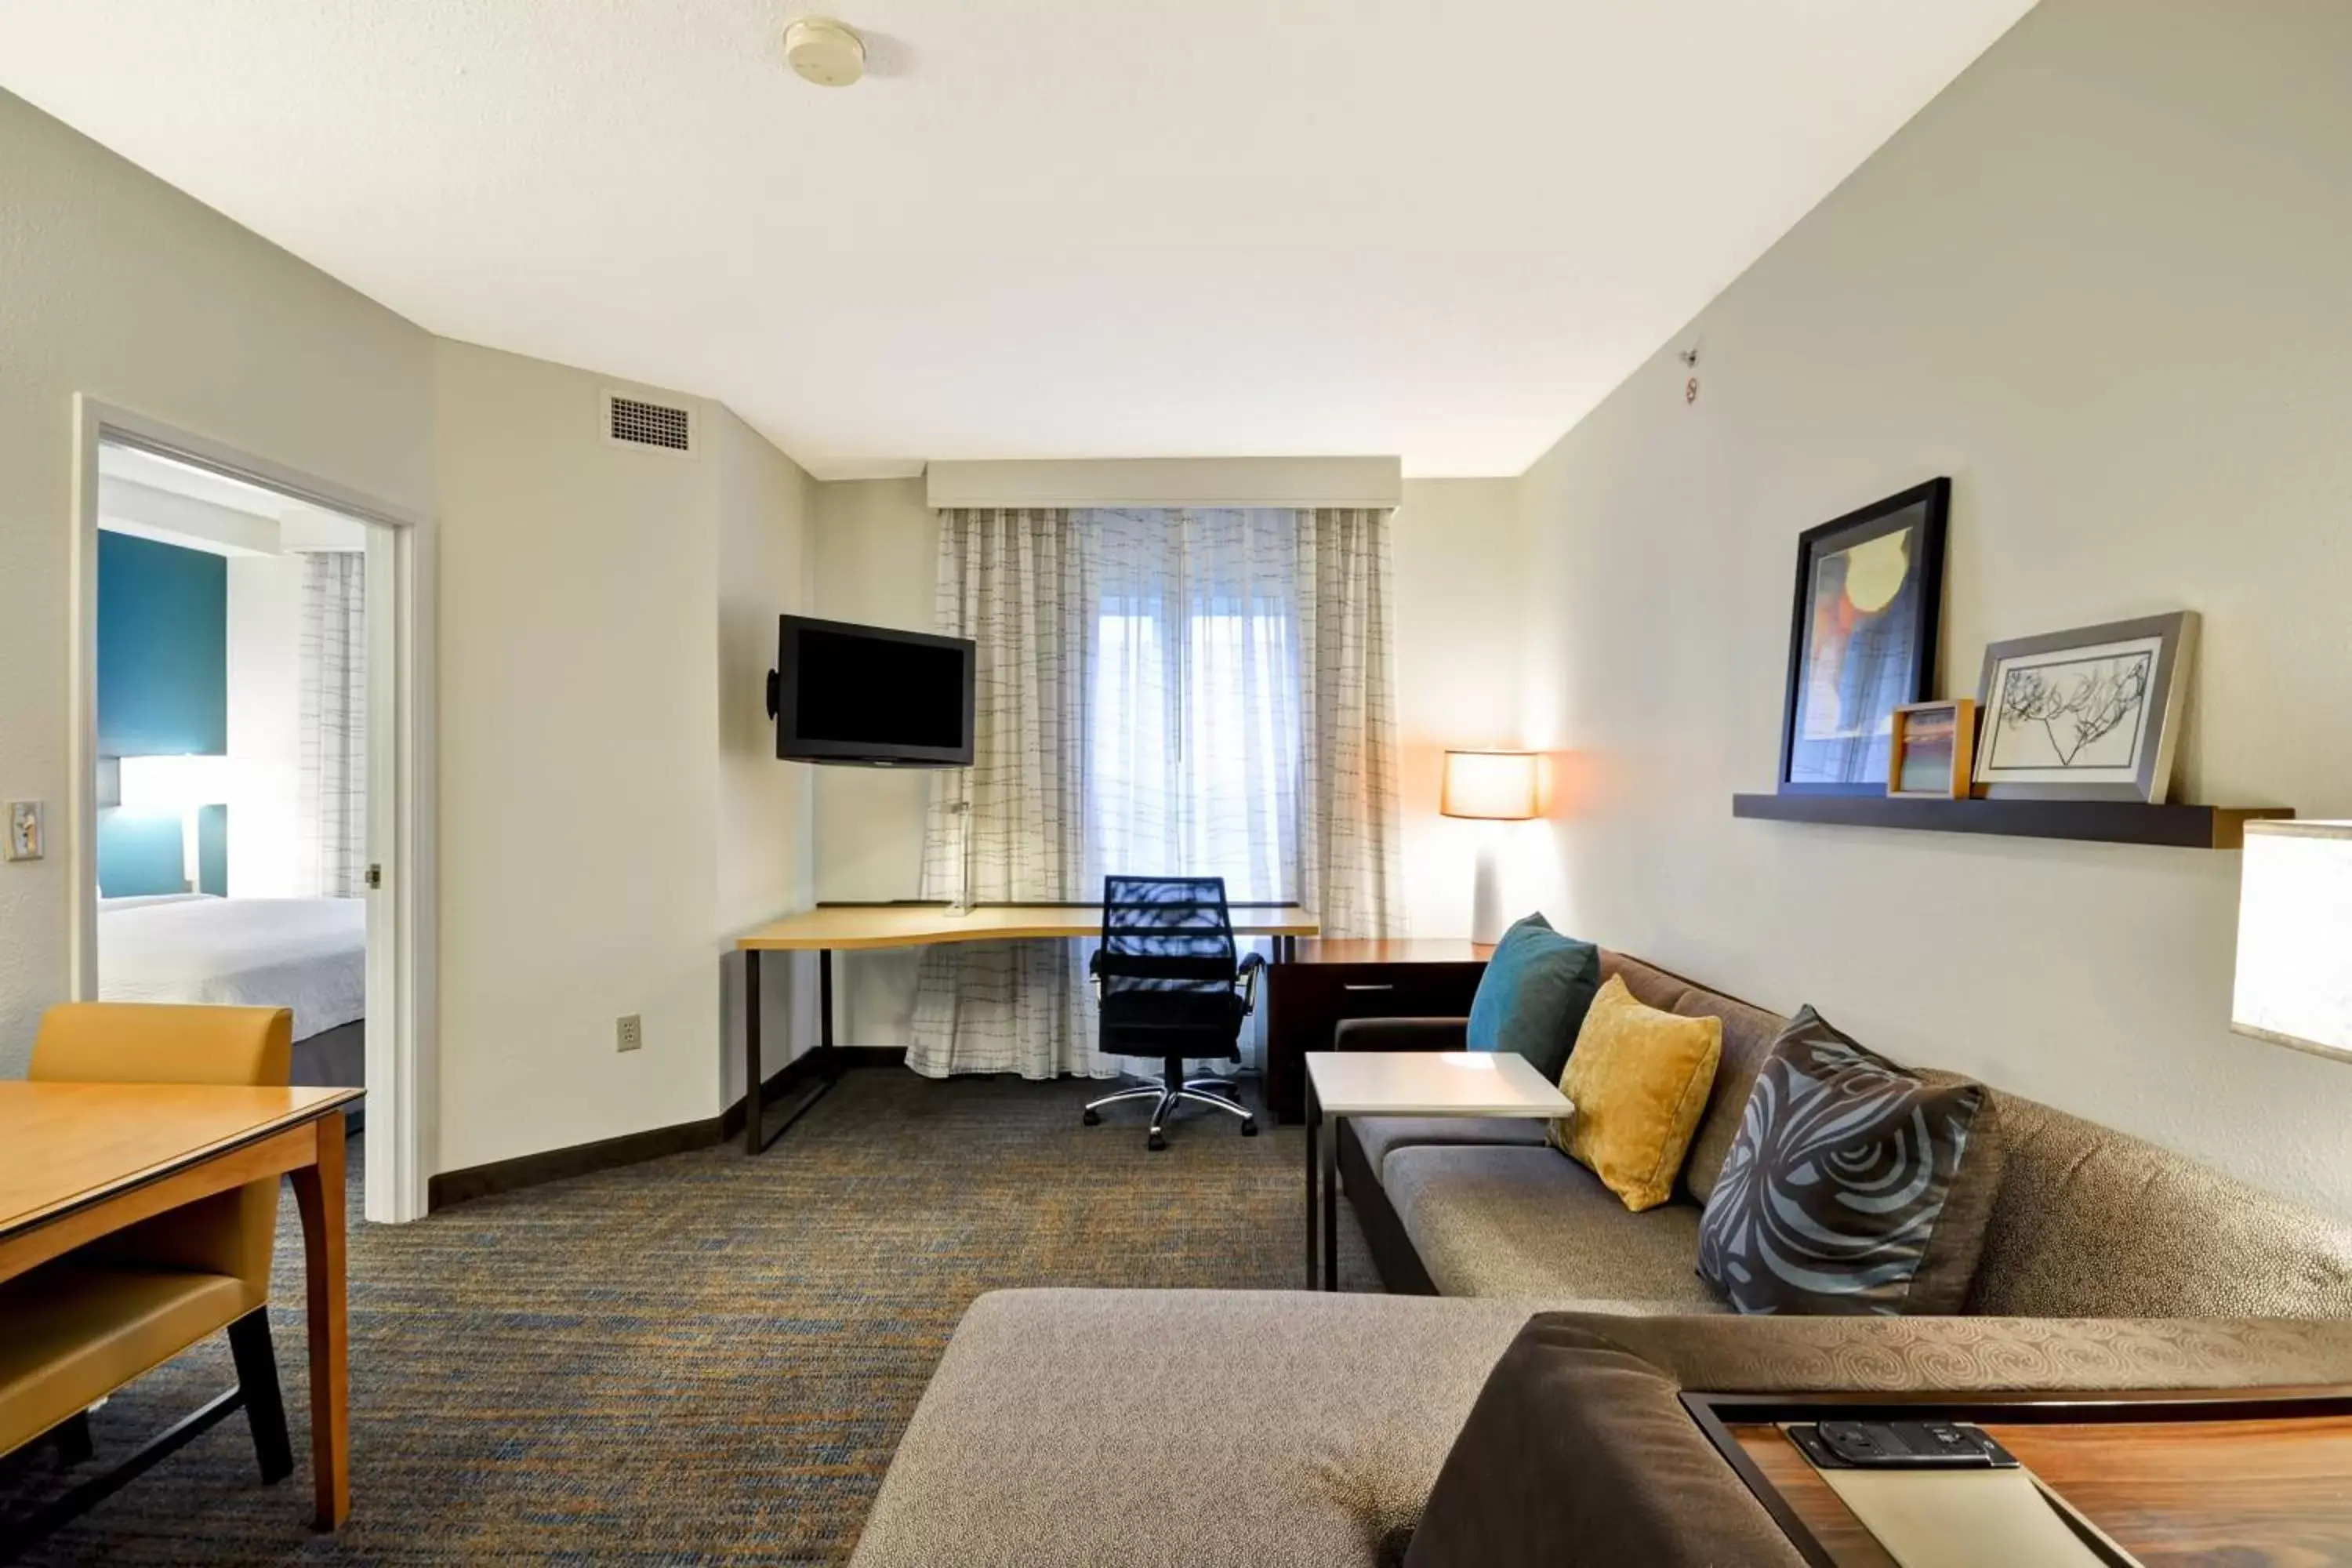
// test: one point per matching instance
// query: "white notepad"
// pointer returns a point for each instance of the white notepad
(1964, 1518)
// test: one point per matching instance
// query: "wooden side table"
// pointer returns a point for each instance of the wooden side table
(1341, 1083)
(1332, 979)
(2170, 1476)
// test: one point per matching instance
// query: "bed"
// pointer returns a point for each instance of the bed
(308, 954)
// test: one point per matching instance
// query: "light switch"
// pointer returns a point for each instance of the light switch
(27, 840)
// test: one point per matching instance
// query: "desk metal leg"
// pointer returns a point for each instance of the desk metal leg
(756, 1137)
(754, 1102)
(1313, 1120)
(1332, 1204)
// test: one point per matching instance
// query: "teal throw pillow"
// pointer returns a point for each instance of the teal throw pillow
(1533, 997)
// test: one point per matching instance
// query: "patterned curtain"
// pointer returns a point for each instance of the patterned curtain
(330, 795)
(1350, 814)
(1193, 691)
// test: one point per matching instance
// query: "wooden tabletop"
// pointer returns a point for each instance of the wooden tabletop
(68, 1145)
(852, 926)
(1393, 950)
(1431, 1083)
(2257, 1478)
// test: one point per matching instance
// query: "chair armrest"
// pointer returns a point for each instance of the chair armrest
(1245, 980)
(1401, 1034)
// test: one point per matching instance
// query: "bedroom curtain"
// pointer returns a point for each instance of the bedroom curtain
(1202, 691)
(331, 786)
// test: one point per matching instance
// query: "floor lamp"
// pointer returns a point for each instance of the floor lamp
(1488, 786)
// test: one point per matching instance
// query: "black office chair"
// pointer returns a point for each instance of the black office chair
(1170, 987)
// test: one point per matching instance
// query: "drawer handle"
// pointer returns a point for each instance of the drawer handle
(1346, 987)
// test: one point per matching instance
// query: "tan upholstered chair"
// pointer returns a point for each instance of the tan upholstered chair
(78, 1327)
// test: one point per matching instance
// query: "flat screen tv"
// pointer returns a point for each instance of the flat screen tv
(844, 693)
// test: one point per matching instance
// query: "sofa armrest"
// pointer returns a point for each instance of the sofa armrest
(1401, 1034)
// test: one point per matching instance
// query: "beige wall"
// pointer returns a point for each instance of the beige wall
(598, 650)
(1459, 642)
(2100, 282)
(765, 861)
(114, 284)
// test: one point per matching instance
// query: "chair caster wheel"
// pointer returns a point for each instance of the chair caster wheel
(1155, 1143)
(1093, 1119)
(1249, 1126)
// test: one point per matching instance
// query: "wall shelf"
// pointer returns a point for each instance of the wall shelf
(2095, 821)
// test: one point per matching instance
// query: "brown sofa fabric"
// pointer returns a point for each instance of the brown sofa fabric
(1579, 1452)
(2090, 1222)
(1979, 1355)
(1748, 1036)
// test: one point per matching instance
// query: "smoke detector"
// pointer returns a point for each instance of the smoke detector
(825, 51)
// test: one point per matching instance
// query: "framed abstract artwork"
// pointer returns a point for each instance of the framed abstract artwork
(1931, 749)
(2092, 714)
(1862, 640)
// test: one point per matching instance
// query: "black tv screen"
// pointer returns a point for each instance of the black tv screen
(869, 694)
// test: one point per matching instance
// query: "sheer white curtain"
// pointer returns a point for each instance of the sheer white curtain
(330, 784)
(1197, 691)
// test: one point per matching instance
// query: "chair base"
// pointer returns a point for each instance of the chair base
(1174, 1090)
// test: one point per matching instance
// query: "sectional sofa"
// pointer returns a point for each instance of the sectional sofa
(1290, 1428)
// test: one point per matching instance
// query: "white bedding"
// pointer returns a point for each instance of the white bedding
(310, 954)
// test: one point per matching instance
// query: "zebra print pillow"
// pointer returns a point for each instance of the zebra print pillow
(1854, 1187)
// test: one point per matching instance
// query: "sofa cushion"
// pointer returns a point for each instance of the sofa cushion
(1531, 1223)
(1748, 1036)
(1749, 1033)
(2094, 1223)
(1533, 994)
(1639, 1079)
(1854, 1187)
(1066, 1428)
(1378, 1135)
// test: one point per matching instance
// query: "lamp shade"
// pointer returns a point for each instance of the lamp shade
(2294, 937)
(1496, 786)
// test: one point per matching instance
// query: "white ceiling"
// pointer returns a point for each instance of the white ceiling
(1042, 229)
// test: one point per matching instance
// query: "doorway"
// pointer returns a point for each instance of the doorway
(247, 827)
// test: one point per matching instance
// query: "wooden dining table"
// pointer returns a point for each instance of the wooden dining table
(80, 1161)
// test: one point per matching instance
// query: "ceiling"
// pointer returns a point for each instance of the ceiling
(1041, 228)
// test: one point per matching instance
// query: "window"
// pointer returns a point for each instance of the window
(1193, 731)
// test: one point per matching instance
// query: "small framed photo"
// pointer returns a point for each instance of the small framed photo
(1930, 749)
(2092, 714)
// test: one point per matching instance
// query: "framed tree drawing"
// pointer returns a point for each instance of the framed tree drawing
(1862, 639)
(2092, 714)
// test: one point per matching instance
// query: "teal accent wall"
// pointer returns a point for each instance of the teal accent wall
(140, 852)
(162, 691)
(212, 850)
(162, 649)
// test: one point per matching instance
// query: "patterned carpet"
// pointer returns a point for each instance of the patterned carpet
(702, 1359)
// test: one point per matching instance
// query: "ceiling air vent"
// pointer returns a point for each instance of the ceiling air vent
(638, 422)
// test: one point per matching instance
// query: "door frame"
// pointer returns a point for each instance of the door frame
(402, 1124)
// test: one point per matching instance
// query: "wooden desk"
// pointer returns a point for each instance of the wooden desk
(85, 1160)
(831, 928)
(1333, 980)
(2174, 1477)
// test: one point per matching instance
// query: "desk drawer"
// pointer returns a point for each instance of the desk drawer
(1306, 1001)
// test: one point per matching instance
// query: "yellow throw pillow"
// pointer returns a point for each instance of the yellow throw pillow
(1639, 1079)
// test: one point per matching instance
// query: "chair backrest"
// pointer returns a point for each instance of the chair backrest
(128, 1041)
(1167, 963)
(1166, 935)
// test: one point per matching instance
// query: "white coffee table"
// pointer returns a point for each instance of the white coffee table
(1341, 1083)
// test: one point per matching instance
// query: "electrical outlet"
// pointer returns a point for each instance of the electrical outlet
(26, 839)
(631, 1032)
